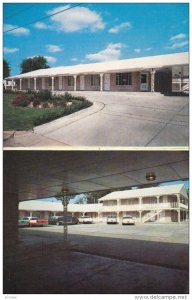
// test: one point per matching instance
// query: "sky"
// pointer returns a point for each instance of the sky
(92, 32)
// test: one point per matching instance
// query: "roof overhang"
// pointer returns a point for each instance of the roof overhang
(129, 65)
(43, 174)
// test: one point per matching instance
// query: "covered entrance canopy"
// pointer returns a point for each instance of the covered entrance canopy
(41, 174)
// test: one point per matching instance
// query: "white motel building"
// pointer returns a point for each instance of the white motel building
(161, 74)
(164, 204)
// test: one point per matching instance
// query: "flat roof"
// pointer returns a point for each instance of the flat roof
(131, 64)
(147, 192)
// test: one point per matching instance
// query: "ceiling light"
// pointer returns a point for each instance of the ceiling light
(150, 176)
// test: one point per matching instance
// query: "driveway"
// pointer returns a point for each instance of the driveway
(116, 119)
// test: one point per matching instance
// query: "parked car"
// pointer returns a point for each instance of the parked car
(128, 220)
(112, 220)
(85, 220)
(35, 221)
(60, 220)
(22, 222)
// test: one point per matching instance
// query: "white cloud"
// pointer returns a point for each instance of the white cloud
(51, 59)
(74, 59)
(178, 45)
(76, 19)
(138, 50)
(112, 52)
(54, 48)
(41, 25)
(148, 49)
(10, 50)
(178, 36)
(117, 28)
(18, 31)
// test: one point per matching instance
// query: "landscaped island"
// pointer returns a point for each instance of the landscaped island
(23, 111)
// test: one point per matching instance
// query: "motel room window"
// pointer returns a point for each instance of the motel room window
(123, 79)
(50, 81)
(95, 80)
(70, 81)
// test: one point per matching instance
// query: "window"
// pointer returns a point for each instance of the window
(123, 79)
(70, 81)
(95, 80)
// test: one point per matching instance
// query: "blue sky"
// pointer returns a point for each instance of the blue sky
(93, 32)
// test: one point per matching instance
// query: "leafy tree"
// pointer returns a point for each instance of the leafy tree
(32, 64)
(6, 69)
(93, 197)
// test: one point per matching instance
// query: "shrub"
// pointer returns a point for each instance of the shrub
(67, 96)
(44, 95)
(36, 103)
(21, 100)
(45, 105)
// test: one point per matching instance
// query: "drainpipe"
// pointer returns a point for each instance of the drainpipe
(101, 82)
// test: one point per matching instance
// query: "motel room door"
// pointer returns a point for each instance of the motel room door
(82, 83)
(107, 82)
(144, 82)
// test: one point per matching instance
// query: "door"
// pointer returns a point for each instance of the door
(144, 82)
(82, 83)
(107, 82)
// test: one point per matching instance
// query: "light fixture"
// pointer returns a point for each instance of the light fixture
(150, 176)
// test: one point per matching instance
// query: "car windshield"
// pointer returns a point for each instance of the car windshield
(127, 217)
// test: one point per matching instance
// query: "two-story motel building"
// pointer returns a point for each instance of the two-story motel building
(164, 204)
(162, 74)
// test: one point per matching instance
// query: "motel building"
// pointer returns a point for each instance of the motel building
(165, 204)
(159, 74)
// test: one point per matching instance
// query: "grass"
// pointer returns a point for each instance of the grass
(24, 118)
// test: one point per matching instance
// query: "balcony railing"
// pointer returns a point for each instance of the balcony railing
(148, 206)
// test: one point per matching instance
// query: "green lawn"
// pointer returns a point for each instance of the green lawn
(24, 118)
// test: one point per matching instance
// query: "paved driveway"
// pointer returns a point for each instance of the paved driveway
(116, 119)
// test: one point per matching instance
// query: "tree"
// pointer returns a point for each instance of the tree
(6, 69)
(34, 63)
(93, 197)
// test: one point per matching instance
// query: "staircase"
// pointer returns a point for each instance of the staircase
(152, 215)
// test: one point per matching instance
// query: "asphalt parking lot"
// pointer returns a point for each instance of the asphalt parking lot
(149, 258)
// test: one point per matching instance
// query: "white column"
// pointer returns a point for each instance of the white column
(52, 84)
(153, 80)
(35, 84)
(158, 199)
(20, 84)
(75, 82)
(140, 216)
(101, 82)
(31, 214)
(178, 200)
(179, 215)
(43, 83)
(28, 83)
(12, 85)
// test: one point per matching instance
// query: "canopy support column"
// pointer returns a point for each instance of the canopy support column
(153, 80)
(75, 82)
(101, 82)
